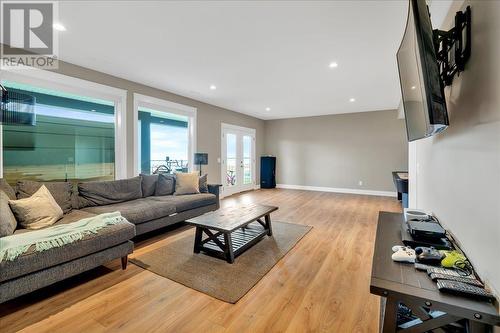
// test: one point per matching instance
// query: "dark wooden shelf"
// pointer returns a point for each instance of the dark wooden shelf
(400, 282)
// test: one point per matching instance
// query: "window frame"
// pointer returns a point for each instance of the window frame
(166, 106)
(71, 85)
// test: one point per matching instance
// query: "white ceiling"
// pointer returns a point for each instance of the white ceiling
(259, 54)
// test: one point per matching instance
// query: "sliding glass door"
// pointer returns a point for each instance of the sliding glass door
(238, 159)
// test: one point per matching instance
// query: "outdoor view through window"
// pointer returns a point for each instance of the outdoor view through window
(73, 139)
(163, 142)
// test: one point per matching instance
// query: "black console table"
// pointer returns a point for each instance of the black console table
(402, 283)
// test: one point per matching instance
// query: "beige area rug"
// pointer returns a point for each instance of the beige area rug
(216, 277)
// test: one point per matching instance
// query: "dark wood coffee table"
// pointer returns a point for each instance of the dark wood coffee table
(232, 230)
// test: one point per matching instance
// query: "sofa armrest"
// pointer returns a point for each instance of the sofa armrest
(214, 189)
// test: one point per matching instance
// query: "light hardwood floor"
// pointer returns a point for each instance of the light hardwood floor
(322, 285)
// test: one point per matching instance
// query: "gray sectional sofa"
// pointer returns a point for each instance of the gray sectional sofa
(147, 202)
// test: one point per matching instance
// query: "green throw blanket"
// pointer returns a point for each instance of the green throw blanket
(13, 246)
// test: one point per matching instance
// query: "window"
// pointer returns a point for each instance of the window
(73, 139)
(165, 136)
(163, 142)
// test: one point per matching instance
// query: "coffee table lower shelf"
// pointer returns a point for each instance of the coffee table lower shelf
(228, 245)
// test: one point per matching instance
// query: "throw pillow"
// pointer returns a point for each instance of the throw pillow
(38, 211)
(8, 222)
(187, 183)
(203, 184)
(148, 185)
(60, 191)
(4, 186)
(165, 185)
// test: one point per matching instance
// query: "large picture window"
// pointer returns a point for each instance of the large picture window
(164, 142)
(165, 136)
(73, 139)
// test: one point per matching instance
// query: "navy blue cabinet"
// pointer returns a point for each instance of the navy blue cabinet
(267, 172)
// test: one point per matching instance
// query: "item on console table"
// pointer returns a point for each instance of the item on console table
(463, 279)
(426, 230)
(428, 255)
(453, 259)
(464, 289)
(408, 240)
(412, 214)
(404, 254)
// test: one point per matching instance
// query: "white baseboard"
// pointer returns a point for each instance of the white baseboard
(337, 190)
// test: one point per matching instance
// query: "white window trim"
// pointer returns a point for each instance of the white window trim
(59, 82)
(169, 107)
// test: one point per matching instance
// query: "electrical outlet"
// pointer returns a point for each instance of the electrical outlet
(360, 183)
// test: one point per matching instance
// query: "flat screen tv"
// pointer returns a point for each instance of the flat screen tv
(422, 89)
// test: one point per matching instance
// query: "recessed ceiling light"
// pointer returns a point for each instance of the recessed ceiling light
(268, 109)
(59, 27)
(92, 110)
(213, 87)
(333, 65)
(352, 100)
(413, 87)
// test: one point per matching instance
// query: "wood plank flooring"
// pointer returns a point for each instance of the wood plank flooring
(322, 285)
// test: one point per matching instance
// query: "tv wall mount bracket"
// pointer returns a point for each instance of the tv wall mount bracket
(453, 47)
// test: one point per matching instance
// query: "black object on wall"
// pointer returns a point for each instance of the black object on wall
(267, 172)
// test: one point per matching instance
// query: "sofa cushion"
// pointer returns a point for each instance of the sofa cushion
(137, 211)
(203, 184)
(92, 194)
(165, 185)
(187, 183)
(189, 201)
(8, 222)
(34, 261)
(61, 191)
(4, 186)
(38, 211)
(148, 185)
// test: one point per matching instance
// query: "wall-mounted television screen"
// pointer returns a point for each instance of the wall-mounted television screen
(423, 92)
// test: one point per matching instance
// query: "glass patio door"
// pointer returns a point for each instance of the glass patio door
(238, 159)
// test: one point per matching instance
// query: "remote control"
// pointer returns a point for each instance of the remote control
(463, 289)
(474, 282)
(450, 272)
(422, 267)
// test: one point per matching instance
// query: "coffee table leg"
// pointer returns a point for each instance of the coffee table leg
(197, 240)
(229, 248)
(268, 225)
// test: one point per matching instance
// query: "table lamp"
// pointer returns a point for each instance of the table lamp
(201, 159)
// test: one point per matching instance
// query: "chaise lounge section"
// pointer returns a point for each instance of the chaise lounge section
(143, 210)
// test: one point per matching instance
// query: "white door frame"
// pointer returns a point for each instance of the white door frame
(68, 84)
(168, 107)
(226, 191)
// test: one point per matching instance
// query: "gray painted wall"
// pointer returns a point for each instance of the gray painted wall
(209, 117)
(339, 150)
(458, 175)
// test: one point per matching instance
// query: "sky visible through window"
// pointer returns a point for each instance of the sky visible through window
(171, 141)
